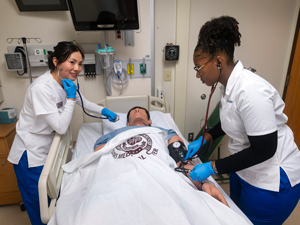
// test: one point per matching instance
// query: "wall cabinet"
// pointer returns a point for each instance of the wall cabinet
(9, 191)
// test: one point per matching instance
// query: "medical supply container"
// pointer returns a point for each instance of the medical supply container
(8, 115)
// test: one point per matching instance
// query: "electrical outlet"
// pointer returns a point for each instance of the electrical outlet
(160, 93)
(167, 75)
(130, 71)
(191, 137)
(119, 36)
(143, 69)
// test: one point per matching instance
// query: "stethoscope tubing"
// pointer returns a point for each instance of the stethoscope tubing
(213, 88)
(97, 117)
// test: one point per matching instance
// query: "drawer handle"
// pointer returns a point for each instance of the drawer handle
(4, 162)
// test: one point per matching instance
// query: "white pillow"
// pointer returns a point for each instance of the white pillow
(159, 119)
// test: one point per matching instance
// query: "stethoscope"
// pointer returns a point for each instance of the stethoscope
(213, 88)
(97, 117)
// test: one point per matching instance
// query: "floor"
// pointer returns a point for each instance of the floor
(12, 214)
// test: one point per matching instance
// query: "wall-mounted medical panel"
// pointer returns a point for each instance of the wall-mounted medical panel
(137, 68)
(38, 59)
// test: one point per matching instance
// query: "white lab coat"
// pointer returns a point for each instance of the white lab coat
(34, 134)
(251, 106)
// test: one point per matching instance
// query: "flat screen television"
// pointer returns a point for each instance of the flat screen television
(104, 14)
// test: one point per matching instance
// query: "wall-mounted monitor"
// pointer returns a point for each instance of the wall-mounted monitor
(104, 14)
(41, 5)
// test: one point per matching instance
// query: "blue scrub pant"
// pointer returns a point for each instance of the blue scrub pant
(264, 207)
(28, 179)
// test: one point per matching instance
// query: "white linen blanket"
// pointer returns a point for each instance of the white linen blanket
(132, 181)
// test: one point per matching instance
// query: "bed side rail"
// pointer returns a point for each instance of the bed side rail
(158, 104)
(50, 180)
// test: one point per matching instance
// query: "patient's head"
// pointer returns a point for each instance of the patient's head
(138, 116)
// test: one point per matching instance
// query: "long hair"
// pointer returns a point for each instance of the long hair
(62, 52)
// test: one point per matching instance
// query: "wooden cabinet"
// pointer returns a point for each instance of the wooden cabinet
(9, 191)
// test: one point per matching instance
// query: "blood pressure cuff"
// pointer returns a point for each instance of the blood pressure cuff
(179, 153)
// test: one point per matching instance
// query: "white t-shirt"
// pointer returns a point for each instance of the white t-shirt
(46, 111)
(251, 106)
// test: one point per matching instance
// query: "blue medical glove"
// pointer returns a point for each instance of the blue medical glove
(201, 172)
(194, 147)
(69, 87)
(109, 114)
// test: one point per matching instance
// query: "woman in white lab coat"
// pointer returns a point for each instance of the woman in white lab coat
(48, 108)
(264, 166)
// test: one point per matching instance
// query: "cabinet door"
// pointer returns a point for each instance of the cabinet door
(6, 143)
(9, 191)
(3, 147)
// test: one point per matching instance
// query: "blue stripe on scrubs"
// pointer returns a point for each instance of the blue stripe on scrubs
(28, 179)
(264, 207)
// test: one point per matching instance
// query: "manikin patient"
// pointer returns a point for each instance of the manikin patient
(139, 116)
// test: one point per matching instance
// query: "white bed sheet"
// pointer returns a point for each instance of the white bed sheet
(138, 190)
(90, 132)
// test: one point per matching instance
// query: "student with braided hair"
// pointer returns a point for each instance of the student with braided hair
(264, 166)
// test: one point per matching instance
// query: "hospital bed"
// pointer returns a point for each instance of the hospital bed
(61, 150)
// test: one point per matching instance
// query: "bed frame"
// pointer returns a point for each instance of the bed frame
(61, 149)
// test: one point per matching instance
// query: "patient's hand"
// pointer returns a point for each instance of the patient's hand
(214, 192)
(207, 187)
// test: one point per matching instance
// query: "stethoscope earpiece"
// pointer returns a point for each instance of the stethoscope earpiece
(58, 73)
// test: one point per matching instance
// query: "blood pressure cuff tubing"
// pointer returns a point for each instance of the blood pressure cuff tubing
(177, 153)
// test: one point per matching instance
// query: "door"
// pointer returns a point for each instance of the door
(291, 94)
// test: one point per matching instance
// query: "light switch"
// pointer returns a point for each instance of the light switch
(167, 75)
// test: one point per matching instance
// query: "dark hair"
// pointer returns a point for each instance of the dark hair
(219, 35)
(62, 52)
(137, 107)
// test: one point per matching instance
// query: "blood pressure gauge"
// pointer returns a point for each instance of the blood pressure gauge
(176, 144)
(14, 61)
(171, 52)
(179, 150)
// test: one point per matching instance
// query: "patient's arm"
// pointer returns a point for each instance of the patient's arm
(99, 147)
(206, 187)
(174, 138)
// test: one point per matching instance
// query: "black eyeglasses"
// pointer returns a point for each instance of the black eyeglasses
(197, 69)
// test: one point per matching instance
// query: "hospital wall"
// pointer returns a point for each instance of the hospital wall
(267, 29)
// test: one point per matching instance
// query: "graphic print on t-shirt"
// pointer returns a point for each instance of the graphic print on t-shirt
(133, 146)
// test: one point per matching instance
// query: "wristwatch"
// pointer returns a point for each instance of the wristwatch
(207, 181)
(215, 168)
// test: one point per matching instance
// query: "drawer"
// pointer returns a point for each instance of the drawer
(8, 180)
(10, 198)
